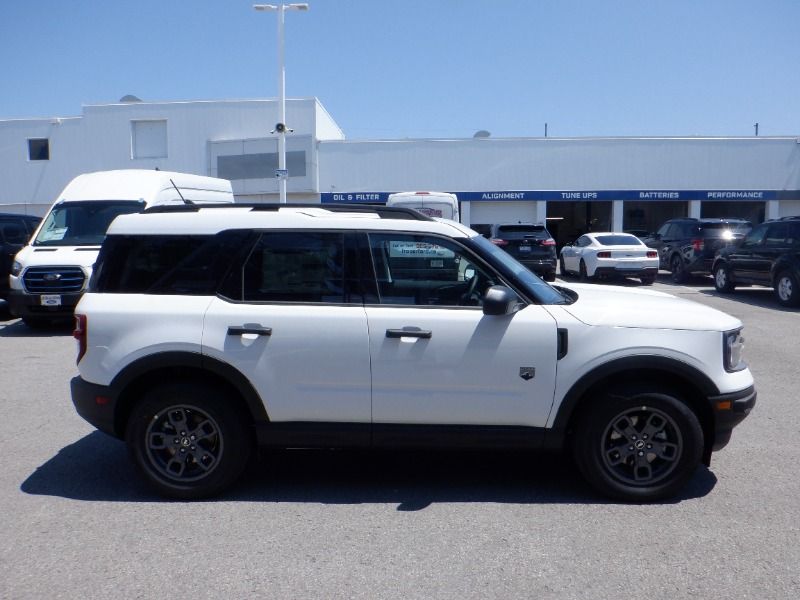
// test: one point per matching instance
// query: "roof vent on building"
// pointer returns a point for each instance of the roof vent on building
(129, 98)
(481, 134)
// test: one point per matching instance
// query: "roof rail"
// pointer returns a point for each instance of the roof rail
(384, 212)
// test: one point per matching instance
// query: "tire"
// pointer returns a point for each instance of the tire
(582, 270)
(722, 279)
(562, 267)
(549, 277)
(787, 289)
(187, 441)
(638, 443)
(648, 279)
(678, 269)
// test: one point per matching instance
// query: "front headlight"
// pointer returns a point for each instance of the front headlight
(732, 350)
(16, 269)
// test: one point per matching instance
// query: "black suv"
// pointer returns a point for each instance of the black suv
(530, 244)
(15, 231)
(687, 246)
(769, 255)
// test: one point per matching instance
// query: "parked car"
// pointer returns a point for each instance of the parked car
(687, 246)
(639, 233)
(207, 332)
(15, 231)
(769, 255)
(530, 244)
(609, 254)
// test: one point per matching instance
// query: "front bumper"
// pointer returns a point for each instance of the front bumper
(22, 304)
(729, 411)
(95, 403)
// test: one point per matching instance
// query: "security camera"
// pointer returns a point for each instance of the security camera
(280, 127)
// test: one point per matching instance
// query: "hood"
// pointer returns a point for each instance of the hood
(39, 256)
(611, 306)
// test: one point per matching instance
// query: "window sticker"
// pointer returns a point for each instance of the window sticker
(57, 233)
(418, 250)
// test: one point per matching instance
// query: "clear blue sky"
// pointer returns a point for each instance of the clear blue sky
(433, 68)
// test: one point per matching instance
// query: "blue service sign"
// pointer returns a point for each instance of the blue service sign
(583, 196)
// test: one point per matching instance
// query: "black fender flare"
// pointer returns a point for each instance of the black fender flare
(610, 371)
(177, 360)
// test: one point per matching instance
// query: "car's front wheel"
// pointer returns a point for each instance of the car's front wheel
(187, 440)
(638, 445)
(562, 267)
(787, 290)
(722, 279)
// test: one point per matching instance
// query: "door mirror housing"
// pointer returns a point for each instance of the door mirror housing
(500, 300)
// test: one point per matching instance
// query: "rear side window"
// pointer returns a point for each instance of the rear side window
(165, 264)
(294, 266)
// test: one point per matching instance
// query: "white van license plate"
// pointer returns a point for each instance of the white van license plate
(51, 300)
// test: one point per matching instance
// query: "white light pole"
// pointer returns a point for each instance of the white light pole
(280, 128)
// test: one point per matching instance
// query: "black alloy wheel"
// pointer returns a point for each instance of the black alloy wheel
(187, 440)
(678, 269)
(637, 445)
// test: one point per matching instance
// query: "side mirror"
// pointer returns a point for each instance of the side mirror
(500, 300)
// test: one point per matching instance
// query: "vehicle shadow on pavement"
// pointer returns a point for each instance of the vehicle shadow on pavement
(96, 467)
(757, 296)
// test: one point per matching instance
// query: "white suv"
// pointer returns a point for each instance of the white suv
(209, 331)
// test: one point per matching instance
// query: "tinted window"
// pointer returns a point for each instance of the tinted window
(425, 270)
(520, 231)
(165, 264)
(295, 266)
(12, 233)
(717, 230)
(777, 234)
(618, 240)
(755, 237)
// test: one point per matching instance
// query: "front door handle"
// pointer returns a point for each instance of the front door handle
(254, 330)
(415, 333)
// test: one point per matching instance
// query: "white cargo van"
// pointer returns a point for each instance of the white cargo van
(49, 275)
(433, 204)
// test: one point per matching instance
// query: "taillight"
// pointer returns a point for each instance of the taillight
(604, 255)
(698, 245)
(79, 333)
(652, 254)
(549, 242)
(499, 242)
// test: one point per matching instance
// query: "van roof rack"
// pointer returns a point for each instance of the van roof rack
(382, 211)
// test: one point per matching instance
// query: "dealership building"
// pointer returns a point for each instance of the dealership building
(572, 184)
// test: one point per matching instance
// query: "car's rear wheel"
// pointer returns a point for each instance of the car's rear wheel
(582, 269)
(638, 445)
(787, 290)
(187, 440)
(722, 279)
(647, 279)
(678, 269)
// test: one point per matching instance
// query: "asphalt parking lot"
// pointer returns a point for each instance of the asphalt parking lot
(77, 522)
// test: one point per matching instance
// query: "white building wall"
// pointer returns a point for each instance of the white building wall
(101, 140)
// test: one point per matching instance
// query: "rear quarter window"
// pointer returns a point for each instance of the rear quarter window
(165, 264)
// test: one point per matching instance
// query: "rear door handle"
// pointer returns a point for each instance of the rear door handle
(249, 329)
(415, 333)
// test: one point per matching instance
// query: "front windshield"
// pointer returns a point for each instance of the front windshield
(82, 223)
(540, 290)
